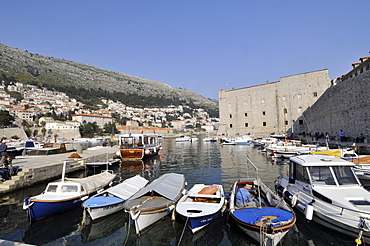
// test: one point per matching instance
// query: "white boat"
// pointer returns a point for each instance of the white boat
(201, 205)
(228, 141)
(64, 195)
(265, 217)
(138, 146)
(209, 139)
(326, 189)
(112, 199)
(155, 201)
(103, 164)
(183, 139)
(243, 140)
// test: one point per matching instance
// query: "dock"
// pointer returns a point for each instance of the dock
(37, 169)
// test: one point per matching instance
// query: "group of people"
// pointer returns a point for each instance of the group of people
(6, 168)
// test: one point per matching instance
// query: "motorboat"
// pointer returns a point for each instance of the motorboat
(183, 138)
(112, 199)
(65, 194)
(259, 212)
(138, 146)
(209, 139)
(326, 189)
(155, 201)
(243, 140)
(201, 205)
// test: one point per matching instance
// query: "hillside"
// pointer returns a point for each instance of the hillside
(71, 77)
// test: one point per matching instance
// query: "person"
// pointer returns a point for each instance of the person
(112, 141)
(327, 136)
(342, 135)
(243, 198)
(3, 151)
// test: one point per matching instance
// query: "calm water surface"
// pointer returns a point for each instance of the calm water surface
(200, 162)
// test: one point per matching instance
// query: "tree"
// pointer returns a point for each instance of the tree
(5, 118)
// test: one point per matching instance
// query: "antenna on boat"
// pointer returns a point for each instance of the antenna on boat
(258, 180)
(64, 170)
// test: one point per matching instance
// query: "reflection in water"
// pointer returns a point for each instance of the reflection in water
(200, 162)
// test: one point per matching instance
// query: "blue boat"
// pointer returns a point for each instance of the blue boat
(112, 199)
(65, 195)
(201, 205)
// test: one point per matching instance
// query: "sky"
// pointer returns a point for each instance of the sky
(199, 45)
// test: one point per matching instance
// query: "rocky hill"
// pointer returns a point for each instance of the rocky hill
(60, 73)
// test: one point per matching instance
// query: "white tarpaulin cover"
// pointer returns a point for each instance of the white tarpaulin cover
(169, 185)
(128, 187)
(91, 183)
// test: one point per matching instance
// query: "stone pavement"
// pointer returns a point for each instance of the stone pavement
(44, 168)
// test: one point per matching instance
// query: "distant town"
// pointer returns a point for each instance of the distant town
(35, 103)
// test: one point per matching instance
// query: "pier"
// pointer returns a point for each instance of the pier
(37, 169)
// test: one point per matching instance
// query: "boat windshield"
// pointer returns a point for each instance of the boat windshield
(52, 188)
(324, 175)
(68, 188)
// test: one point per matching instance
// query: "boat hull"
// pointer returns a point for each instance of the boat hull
(42, 209)
(146, 219)
(198, 223)
(98, 208)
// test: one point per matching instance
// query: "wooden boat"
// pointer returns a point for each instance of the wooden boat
(326, 189)
(64, 195)
(201, 205)
(138, 146)
(112, 199)
(155, 201)
(266, 218)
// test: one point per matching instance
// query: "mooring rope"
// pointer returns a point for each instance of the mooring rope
(183, 230)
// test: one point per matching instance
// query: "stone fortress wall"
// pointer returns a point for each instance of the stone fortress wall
(345, 105)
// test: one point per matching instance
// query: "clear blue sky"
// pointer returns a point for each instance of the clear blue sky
(200, 45)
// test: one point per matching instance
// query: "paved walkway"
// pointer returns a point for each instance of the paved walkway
(42, 168)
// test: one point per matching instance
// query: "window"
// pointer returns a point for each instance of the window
(246, 124)
(300, 110)
(263, 101)
(229, 105)
(285, 111)
(315, 94)
(231, 125)
(284, 98)
(245, 114)
(231, 116)
(286, 122)
(300, 122)
(299, 96)
(301, 174)
(263, 113)
(321, 175)
(264, 123)
(245, 103)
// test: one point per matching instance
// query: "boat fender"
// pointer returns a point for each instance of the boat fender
(309, 211)
(134, 215)
(294, 199)
(170, 208)
(84, 198)
(27, 206)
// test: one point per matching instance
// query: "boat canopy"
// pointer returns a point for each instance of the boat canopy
(91, 183)
(320, 160)
(128, 187)
(169, 185)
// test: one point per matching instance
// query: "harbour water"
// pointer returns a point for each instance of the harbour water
(200, 162)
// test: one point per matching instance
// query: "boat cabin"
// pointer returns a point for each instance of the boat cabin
(321, 170)
(135, 141)
(64, 187)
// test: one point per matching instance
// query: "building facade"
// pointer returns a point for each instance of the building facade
(270, 108)
(99, 119)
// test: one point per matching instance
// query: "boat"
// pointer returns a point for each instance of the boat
(183, 138)
(227, 141)
(265, 217)
(209, 139)
(103, 164)
(155, 201)
(243, 140)
(138, 146)
(112, 199)
(201, 205)
(326, 189)
(65, 194)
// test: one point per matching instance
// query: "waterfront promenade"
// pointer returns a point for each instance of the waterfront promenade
(44, 168)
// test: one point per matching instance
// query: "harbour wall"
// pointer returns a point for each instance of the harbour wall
(345, 106)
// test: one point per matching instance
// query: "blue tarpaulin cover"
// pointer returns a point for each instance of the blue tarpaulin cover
(255, 215)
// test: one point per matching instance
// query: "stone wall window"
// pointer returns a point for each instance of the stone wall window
(245, 114)
(300, 122)
(246, 124)
(245, 103)
(315, 94)
(263, 112)
(299, 96)
(231, 125)
(284, 98)
(286, 122)
(263, 101)
(300, 110)
(230, 116)
(264, 123)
